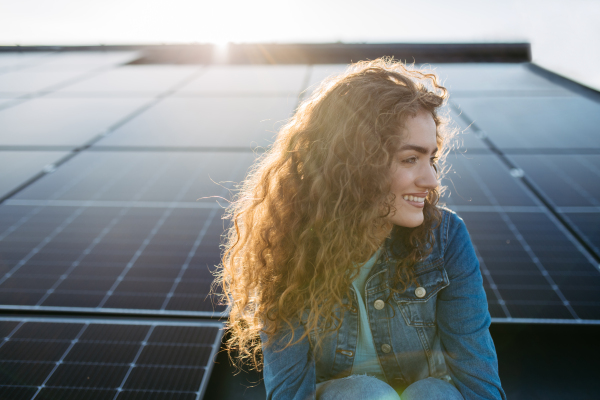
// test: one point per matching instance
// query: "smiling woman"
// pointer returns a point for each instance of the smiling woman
(340, 269)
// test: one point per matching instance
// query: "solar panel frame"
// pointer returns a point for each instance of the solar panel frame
(76, 349)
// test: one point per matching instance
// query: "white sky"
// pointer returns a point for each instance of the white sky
(565, 35)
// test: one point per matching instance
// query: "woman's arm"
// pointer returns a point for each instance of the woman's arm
(290, 373)
(463, 320)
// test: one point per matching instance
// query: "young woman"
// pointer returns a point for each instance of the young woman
(343, 277)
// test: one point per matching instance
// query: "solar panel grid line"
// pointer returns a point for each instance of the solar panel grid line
(32, 61)
(189, 149)
(588, 165)
(579, 240)
(48, 169)
(54, 87)
(547, 321)
(132, 365)
(510, 93)
(139, 110)
(572, 233)
(60, 361)
(495, 208)
(231, 94)
(167, 212)
(157, 226)
(198, 241)
(524, 243)
(176, 340)
(54, 196)
(578, 210)
(212, 359)
(101, 321)
(43, 243)
(15, 329)
(84, 253)
(570, 182)
(61, 227)
(110, 203)
(189, 257)
(490, 279)
(137, 312)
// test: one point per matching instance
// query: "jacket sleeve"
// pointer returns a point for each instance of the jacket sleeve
(289, 373)
(463, 319)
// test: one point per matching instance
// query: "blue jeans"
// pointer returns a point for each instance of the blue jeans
(363, 387)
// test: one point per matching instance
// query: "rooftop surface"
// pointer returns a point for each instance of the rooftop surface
(108, 228)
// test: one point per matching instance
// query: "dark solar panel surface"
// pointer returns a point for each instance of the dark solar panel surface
(202, 121)
(532, 268)
(96, 359)
(128, 226)
(482, 180)
(571, 184)
(119, 231)
(19, 166)
(62, 121)
(536, 122)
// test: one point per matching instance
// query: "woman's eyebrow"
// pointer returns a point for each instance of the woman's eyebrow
(419, 149)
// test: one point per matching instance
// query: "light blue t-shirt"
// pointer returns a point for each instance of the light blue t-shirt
(365, 359)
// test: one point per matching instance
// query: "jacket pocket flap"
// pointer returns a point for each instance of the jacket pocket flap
(430, 281)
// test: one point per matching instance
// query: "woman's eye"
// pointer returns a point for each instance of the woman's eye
(411, 160)
(433, 160)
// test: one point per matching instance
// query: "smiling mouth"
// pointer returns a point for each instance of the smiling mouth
(415, 201)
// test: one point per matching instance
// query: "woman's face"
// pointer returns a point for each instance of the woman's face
(412, 172)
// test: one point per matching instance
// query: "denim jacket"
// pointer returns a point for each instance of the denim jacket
(438, 328)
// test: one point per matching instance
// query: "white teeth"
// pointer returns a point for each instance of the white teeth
(413, 198)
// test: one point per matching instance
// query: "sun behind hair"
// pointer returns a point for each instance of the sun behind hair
(309, 212)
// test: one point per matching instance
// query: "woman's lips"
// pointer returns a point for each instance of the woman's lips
(415, 199)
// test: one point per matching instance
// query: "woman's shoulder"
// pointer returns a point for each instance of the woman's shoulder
(451, 231)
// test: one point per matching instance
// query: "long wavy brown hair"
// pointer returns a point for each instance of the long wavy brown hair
(308, 214)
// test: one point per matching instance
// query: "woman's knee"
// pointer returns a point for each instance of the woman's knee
(431, 389)
(356, 387)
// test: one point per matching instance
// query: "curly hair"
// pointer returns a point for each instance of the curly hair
(306, 217)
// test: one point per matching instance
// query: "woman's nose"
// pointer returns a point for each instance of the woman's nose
(428, 178)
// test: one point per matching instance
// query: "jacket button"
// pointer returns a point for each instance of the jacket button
(379, 304)
(420, 292)
(386, 348)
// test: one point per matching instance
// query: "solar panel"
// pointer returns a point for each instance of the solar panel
(320, 72)
(153, 178)
(489, 79)
(12, 61)
(248, 80)
(206, 122)
(119, 232)
(131, 80)
(25, 81)
(531, 263)
(570, 184)
(51, 121)
(533, 270)
(19, 166)
(516, 123)
(98, 359)
(85, 60)
(465, 139)
(566, 180)
(481, 180)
